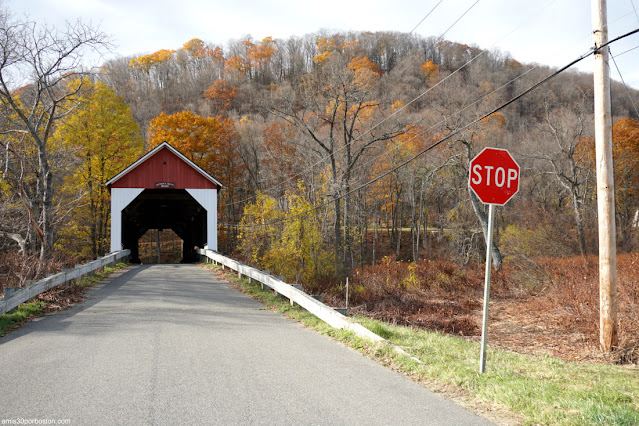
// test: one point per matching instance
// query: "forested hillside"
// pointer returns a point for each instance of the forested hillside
(291, 125)
(303, 122)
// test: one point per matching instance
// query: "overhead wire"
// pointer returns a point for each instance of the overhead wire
(632, 3)
(378, 124)
(593, 50)
(455, 23)
(627, 51)
(442, 121)
(399, 110)
(427, 15)
(323, 159)
(624, 84)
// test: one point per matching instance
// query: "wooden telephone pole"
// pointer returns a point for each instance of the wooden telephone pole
(605, 182)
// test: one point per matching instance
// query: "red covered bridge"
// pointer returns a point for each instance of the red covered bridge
(164, 190)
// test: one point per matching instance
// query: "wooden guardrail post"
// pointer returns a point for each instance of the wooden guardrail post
(239, 270)
(262, 284)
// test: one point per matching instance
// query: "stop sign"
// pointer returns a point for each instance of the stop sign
(494, 176)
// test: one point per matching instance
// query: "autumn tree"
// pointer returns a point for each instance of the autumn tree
(463, 144)
(204, 140)
(565, 151)
(261, 227)
(260, 57)
(103, 136)
(335, 108)
(286, 241)
(147, 63)
(625, 136)
(281, 157)
(431, 71)
(211, 143)
(46, 59)
(221, 94)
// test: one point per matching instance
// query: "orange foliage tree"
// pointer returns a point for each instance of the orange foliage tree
(326, 46)
(210, 142)
(625, 136)
(194, 46)
(221, 93)
(260, 54)
(281, 150)
(431, 70)
(237, 67)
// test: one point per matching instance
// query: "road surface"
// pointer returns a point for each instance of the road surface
(174, 344)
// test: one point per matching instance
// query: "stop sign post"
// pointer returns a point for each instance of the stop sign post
(494, 178)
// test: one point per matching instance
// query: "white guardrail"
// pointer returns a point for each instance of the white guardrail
(314, 306)
(60, 278)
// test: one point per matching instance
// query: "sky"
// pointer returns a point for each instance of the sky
(548, 32)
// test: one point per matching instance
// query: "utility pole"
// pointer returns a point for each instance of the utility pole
(605, 182)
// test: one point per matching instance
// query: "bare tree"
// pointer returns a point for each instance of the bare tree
(333, 107)
(566, 153)
(37, 64)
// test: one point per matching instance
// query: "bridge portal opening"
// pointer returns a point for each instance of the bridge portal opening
(160, 246)
(173, 209)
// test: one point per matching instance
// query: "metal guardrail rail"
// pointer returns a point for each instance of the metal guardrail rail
(314, 306)
(21, 296)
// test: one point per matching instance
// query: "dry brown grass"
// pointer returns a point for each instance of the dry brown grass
(551, 309)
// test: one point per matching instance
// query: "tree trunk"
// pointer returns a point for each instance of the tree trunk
(374, 236)
(581, 238)
(338, 237)
(46, 189)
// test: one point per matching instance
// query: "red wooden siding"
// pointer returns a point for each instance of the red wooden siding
(164, 166)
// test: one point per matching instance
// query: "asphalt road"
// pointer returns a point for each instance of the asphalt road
(173, 344)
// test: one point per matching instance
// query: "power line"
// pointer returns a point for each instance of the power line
(442, 140)
(391, 115)
(632, 3)
(323, 159)
(455, 23)
(624, 84)
(376, 125)
(629, 50)
(372, 160)
(424, 18)
(286, 182)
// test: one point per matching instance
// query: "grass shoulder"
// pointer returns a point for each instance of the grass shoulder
(515, 389)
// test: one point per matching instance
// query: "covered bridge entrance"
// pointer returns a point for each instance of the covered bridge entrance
(164, 190)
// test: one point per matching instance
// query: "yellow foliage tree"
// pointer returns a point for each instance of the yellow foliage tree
(194, 45)
(105, 138)
(259, 232)
(287, 243)
(146, 62)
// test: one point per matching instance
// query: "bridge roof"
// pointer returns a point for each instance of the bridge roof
(164, 167)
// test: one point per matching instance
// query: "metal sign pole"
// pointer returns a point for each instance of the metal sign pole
(484, 328)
